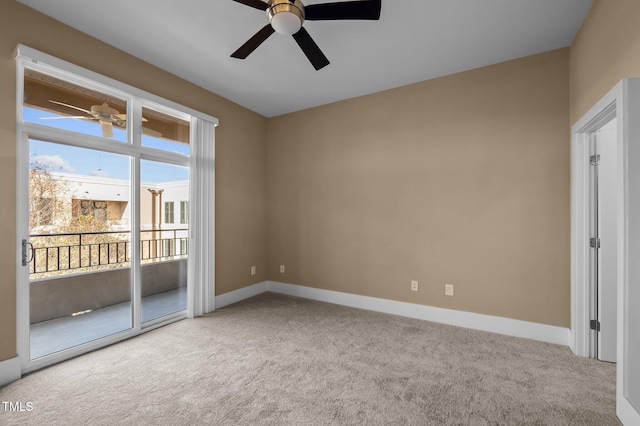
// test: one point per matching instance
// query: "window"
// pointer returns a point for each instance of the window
(81, 139)
(41, 212)
(168, 212)
(63, 104)
(165, 131)
(90, 209)
(184, 212)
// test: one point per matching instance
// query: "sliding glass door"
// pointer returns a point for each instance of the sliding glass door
(79, 246)
(106, 188)
(164, 213)
(164, 236)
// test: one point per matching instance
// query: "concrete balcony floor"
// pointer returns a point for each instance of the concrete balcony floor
(55, 335)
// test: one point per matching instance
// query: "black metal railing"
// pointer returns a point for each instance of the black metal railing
(100, 250)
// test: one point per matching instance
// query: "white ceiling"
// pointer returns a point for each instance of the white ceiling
(414, 40)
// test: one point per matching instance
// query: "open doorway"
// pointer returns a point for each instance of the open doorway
(605, 204)
(595, 218)
(603, 243)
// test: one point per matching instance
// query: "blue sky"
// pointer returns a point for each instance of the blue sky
(86, 162)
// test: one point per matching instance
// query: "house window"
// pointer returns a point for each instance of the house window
(41, 212)
(184, 212)
(168, 212)
(91, 208)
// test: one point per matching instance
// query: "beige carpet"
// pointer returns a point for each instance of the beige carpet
(280, 360)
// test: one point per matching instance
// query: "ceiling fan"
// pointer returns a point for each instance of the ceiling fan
(287, 16)
(106, 116)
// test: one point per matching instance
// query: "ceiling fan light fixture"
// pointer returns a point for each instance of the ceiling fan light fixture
(286, 17)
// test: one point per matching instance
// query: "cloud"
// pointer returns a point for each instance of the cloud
(53, 162)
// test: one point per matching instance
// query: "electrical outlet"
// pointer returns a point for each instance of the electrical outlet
(253, 270)
(282, 269)
(448, 289)
(414, 285)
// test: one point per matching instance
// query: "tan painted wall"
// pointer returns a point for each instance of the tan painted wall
(461, 180)
(605, 50)
(240, 151)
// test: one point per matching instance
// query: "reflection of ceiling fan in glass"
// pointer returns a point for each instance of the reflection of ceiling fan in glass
(105, 116)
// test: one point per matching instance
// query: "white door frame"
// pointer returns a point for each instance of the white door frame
(605, 280)
(623, 101)
(581, 205)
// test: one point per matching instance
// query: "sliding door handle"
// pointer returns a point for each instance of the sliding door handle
(27, 257)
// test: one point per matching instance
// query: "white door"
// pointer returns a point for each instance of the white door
(606, 296)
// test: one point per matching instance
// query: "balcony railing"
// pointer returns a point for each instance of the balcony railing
(58, 253)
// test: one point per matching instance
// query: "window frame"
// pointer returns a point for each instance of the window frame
(169, 212)
(184, 212)
(201, 268)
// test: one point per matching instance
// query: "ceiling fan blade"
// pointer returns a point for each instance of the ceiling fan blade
(257, 4)
(107, 129)
(364, 9)
(311, 49)
(253, 43)
(71, 106)
(82, 117)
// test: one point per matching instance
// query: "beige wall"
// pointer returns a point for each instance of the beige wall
(461, 180)
(605, 50)
(240, 151)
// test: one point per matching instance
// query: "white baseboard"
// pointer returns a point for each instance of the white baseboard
(572, 342)
(500, 325)
(235, 296)
(507, 326)
(10, 371)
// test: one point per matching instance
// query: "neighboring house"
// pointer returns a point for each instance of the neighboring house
(106, 202)
(163, 205)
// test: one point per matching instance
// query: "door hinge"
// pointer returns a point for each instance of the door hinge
(594, 325)
(594, 160)
(594, 242)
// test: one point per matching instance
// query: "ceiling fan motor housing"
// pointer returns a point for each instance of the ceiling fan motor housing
(104, 109)
(286, 16)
